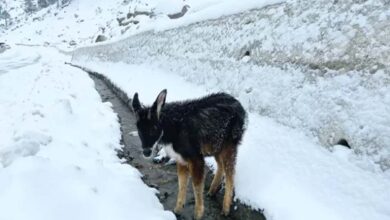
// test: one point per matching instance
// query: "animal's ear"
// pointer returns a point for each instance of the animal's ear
(159, 103)
(136, 104)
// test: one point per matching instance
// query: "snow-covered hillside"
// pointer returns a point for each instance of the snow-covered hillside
(81, 22)
(277, 63)
(77, 23)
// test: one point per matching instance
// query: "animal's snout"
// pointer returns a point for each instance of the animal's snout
(147, 152)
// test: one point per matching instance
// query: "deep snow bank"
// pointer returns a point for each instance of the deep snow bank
(58, 145)
(349, 101)
(333, 34)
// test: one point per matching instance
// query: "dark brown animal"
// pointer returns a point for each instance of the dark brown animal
(192, 130)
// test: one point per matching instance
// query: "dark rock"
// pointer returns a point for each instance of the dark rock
(127, 22)
(100, 38)
(119, 20)
(125, 29)
(4, 47)
(37, 19)
(163, 196)
(136, 13)
(179, 14)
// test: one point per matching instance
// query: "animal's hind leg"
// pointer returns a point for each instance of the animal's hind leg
(218, 176)
(229, 161)
(182, 174)
(196, 167)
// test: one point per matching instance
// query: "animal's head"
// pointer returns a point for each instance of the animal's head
(148, 122)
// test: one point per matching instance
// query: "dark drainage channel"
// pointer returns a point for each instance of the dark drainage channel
(160, 176)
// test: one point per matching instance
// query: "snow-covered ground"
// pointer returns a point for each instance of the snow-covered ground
(58, 145)
(279, 169)
(310, 72)
(76, 24)
(321, 66)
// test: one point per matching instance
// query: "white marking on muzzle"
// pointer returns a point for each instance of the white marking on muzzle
(154, 148)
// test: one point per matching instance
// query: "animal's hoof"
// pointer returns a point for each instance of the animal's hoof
(178, 216)
(198, 214)
(225, 212)
(211, 194)
(178, 210)
(213, 191)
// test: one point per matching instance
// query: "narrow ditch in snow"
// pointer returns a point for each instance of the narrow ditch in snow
(160, 176)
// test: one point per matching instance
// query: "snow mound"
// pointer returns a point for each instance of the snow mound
(58, 146)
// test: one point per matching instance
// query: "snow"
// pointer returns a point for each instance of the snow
(166, 7)
(297, 179)
(320, 75)
(279, 169)
(83, 20)
(58, 146)
(58, 141)
(205, 10)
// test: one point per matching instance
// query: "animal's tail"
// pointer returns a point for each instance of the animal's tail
(238, 123)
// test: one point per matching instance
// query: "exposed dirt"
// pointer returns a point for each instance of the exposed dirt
(161, 176)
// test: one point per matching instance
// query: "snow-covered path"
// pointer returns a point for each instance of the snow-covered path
(58, 146)
(279, 169)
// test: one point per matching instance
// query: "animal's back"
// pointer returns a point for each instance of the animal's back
(222, 121)
(211, 122)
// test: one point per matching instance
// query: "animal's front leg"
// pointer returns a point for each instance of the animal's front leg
(196, 167)
(182, 174)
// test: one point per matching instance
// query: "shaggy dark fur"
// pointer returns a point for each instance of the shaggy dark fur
(216, 119)
(209, 126)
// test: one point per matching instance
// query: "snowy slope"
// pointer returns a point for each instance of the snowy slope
(279, 169)
(58, 145)
(15, 9)
(287, 61)
(338, 35)
(80, 22)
